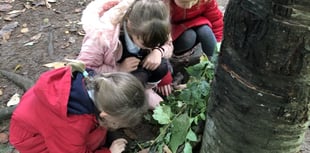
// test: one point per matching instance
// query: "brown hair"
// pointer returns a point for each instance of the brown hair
(150, 21)
(120, 95)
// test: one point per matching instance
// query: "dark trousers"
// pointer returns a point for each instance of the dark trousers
(191, 37)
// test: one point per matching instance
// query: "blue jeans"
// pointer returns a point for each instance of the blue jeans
(191, 37)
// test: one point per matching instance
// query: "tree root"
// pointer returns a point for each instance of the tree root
(19, 80)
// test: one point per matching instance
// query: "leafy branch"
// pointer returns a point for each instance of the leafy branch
(179, 116)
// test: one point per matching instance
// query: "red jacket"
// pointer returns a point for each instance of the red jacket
(41, 122)
(200, 14)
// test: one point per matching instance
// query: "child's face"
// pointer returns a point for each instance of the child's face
(137, 40)
(186, 3)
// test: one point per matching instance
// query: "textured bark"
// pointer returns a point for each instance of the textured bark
(260, 95)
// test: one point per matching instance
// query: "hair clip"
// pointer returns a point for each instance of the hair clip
(85, 73)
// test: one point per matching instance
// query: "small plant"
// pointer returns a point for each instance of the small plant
(179, 116)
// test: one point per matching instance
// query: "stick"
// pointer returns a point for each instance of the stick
(19, 80)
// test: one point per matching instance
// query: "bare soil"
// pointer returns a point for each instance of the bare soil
(33, 34)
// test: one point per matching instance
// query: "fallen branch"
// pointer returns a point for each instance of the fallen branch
(19, 80)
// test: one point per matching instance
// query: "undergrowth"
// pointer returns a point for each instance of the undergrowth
(179, 117)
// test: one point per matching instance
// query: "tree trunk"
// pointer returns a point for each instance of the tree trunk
(260, 95)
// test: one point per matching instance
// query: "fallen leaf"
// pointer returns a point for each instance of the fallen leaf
(81, 33)
(17, 11)
(48, 5)
(1, 92)
(29, 43)
(4, 138)
(55, 65)
(36, 37)
(65, 45)
(24, 30)
(17, 67)
(28, 6)
(77, 10)
(14, 100)
(10, 16)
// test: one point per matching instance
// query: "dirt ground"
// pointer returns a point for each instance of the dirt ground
(33, 34)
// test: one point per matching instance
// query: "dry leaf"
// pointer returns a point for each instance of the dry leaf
(65, 45)
(14, 100)
(29, 43)
(24, 30)
(36, 37)
(17, 11)
(17, 67)
(7, 18)
(55, 65)
(10, 16)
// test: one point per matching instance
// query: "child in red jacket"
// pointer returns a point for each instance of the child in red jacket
(193, 22)
(67, 111)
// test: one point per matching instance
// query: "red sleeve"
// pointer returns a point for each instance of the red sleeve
(215, 16)
(82, 136)
(167, 79)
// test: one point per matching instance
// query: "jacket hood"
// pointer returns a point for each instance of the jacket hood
(53, 89)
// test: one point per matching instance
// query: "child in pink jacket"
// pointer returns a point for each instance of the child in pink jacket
(129, 36)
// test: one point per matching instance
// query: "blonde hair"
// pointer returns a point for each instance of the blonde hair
(119, 94)
(149, 20)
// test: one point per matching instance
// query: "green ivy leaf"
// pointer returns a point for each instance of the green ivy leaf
(179, 131)
(191, 135)
(162, 114)
(187, 148)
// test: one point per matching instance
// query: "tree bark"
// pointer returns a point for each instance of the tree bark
(259, 99)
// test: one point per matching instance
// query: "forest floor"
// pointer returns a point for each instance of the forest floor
(33, 34)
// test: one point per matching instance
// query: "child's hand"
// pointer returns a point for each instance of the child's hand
(164, 86)
(129, 64)
(118, 145)
(153, 60)
(165, 90)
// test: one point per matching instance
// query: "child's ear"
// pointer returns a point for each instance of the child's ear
(103, 114)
